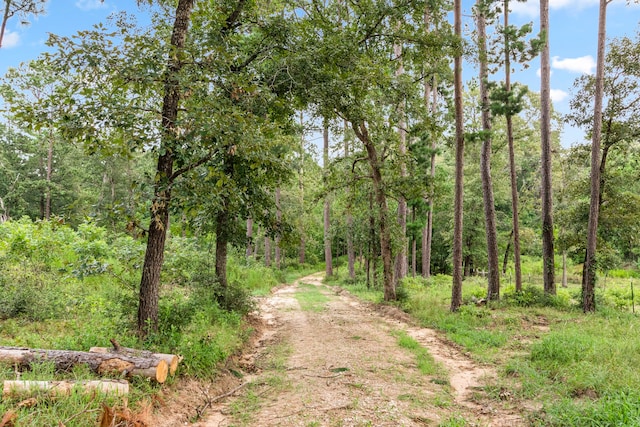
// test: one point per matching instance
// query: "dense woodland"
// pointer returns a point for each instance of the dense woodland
(226, 143)
(201, 124)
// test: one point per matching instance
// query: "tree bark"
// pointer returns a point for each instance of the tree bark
(279, 220)
(222, 239)
(564, 268)
(47, 203)
(427, 233)
(171, 359)
(590, 266)
(414, 246)
(373, 253)
(548, 261)
(267, 251)
(456, 289)
(512, 162)
(362, 133)
(493, 288)
(5, 18)
(351, 255)
(302, 251)
(63, 388)
(327, 207)
(249, 251)
(65, 360)
(154, 256)
(505, 260)
(401, 257)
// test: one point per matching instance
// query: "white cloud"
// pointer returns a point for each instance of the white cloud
(531, 8)
(583, 64)
(558, 95)
(10, 39)
(90, 4)
(574, 4)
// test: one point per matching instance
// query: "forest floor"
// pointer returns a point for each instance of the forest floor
(321, 357)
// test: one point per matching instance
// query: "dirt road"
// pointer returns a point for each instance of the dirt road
(324, 358)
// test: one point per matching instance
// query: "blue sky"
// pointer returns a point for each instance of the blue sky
(573, 37)
(573, 42)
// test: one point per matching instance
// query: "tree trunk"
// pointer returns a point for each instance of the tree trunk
(427, 233)
(456, 289)
(5, 18)
(512, 163)
(171, 359)
(279, 220)
(43, 198)
(301, 252)
(267, 251)
(63, 388)
(65, 360)
(590, 266)
(47, 203)
(548, 261)
(351, 255)
(493, 288)
(158, 226)
(564, 269)
(414, 246)
(249, 251)
(327, 207)
(4, 212)
(222, 238)
(383, 211)
(506, 253)
(372, 237)
(401, 257)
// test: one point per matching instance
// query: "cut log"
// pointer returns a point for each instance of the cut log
(64, 360)
(171, 359)
(13, 388)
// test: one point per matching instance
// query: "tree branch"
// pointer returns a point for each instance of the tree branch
(232, 20)
(191, 166)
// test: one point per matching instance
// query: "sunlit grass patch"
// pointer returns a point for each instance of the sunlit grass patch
(425, 362)
(311, 298)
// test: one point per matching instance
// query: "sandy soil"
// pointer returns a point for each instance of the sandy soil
(339, 366)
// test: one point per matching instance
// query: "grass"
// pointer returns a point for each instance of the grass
(581, 369)
(311, 298)
(425, 362)
(64, 288)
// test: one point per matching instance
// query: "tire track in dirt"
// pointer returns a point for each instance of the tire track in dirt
(345, 368)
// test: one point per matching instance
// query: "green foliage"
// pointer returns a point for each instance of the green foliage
(45, 304)
(534, 296)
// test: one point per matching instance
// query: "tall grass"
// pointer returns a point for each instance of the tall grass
(582, 369)
(62, 288)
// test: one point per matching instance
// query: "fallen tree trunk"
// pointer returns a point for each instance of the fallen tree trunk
(64, 360)
(171, 359)
(13, 388)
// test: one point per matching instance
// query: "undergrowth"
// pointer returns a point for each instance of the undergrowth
(580, 368)
(64, 288)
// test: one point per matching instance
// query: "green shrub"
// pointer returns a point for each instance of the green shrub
(29, 295)
(534, 296)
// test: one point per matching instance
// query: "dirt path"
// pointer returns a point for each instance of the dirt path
(336, 361)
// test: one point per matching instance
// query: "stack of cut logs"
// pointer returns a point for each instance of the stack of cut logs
(117, 360)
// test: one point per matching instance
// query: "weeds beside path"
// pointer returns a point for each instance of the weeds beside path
(324, 358)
